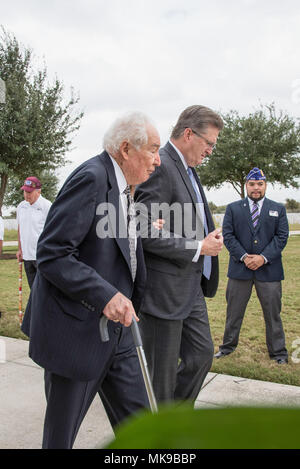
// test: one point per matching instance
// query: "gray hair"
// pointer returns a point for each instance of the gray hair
(131, 127)
(196, 117)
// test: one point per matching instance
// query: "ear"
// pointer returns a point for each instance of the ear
(187, 134)
(124, 150)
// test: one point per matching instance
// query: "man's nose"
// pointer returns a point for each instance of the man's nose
(157, 160)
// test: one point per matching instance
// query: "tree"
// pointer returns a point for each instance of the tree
(292, 205)
(212, 207)
(35, 122)
(263, 139)
(14, 195)
(2, 91)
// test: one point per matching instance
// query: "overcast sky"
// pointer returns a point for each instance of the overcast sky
(161, 56)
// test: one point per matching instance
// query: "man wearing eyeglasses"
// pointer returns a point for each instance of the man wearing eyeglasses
(182, 264)
(31, 217)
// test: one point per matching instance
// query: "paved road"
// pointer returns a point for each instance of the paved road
(22, 402)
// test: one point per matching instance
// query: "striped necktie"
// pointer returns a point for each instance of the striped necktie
(131, 230)
(207, 259)
(255, 214)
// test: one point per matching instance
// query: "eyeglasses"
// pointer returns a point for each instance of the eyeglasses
(210, 144)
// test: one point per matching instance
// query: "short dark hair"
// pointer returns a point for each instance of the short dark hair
(196, 117)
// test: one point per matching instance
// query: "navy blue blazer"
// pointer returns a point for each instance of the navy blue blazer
(78, 273)
(268, 238)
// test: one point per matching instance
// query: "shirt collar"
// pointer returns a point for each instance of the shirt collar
(36, 204)
(259, 203)
(122, 183)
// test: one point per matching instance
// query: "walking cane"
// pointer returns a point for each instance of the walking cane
(20, 294)
(141, 355)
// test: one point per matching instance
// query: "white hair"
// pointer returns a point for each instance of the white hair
(131, 127)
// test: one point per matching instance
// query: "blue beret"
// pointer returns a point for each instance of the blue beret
(256, 174)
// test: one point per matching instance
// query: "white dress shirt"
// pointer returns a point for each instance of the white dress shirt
(122, 184)
(198, 252)
(259, 204)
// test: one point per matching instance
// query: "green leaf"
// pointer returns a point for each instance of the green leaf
(182, 427)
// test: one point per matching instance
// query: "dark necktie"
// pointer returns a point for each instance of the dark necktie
(207, 259)
(131, 230)
(255, 214)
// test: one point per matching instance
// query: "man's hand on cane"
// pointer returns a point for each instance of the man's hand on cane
(120, 309)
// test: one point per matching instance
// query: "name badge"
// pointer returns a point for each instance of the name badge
(273, 213)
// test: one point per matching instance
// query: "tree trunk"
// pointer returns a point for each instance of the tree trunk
(3, 184)
(242, 193)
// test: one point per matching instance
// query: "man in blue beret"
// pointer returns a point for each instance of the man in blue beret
(255, 231)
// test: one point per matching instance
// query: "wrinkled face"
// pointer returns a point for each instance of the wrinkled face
(32, 197)
(141, 163)
(256, 189)
(199, 144)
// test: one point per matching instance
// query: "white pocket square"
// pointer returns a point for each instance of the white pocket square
(273, 213)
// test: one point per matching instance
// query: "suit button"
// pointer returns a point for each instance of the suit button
(117, 330)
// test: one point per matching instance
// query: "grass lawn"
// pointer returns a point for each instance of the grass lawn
(250, 360)
(10, 235)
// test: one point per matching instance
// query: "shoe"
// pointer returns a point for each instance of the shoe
(220, 354)
(282, 361)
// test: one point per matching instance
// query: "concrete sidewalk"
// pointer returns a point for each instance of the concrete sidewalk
(22, 401)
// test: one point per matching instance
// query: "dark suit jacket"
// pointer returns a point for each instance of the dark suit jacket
(78, 273)
(173, 280)
(268, 238)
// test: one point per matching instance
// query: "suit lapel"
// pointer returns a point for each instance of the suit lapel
(141, 266)
(186, 179)
(247, 214)
(182, 171)
(209, 219)
(116, 219)
(263, 213)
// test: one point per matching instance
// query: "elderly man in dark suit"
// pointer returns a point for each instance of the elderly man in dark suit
(86, 270)
(181, 263)
(255, 232)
